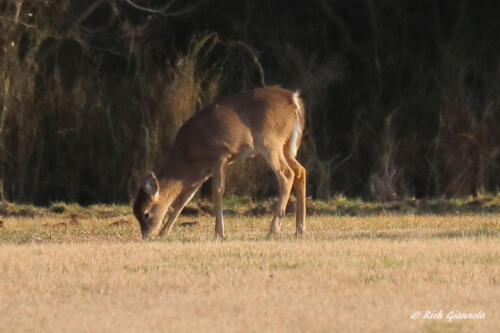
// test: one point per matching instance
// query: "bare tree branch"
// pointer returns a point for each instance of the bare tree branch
(151, 10)
(187, 9)
(13, 20)
(255, 59)
(84, 15)
(19, 4)
(73, 25)
(164, 10)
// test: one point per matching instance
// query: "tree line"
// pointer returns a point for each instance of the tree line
(401, 97)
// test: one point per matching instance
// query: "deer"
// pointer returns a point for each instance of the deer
(266, 121)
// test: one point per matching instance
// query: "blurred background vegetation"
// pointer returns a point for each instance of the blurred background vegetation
(402, 97)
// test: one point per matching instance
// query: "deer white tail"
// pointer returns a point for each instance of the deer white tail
(297, 128)
(296, 101)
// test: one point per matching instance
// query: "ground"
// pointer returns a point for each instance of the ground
(70, 271)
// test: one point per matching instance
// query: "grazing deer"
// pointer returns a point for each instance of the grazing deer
(267, 121)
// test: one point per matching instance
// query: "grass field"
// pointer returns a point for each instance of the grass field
(86, 273)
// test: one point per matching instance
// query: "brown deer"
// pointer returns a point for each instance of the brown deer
(267, 121)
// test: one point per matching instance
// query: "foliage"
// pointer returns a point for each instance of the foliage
(401, 98)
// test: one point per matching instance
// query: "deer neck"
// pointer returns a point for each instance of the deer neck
(170, 188)
(178, 173)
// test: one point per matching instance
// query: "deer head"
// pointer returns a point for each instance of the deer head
(145, 205)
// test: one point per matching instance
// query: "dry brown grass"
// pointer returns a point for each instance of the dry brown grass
(350, 274)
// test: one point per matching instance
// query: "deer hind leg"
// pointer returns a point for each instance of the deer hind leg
(218, 186)
(299, 187)
(285, 176)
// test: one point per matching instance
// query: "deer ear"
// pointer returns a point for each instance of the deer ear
(151, 186)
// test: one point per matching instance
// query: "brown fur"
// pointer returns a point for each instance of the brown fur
(260, 121)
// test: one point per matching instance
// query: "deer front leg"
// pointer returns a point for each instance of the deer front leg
(218, 185)
(181, 201)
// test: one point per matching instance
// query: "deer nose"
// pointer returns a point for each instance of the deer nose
(145, 235)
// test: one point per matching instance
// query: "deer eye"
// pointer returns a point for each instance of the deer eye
(146, 216)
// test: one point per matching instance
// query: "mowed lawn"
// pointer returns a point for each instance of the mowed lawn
(348, 274)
